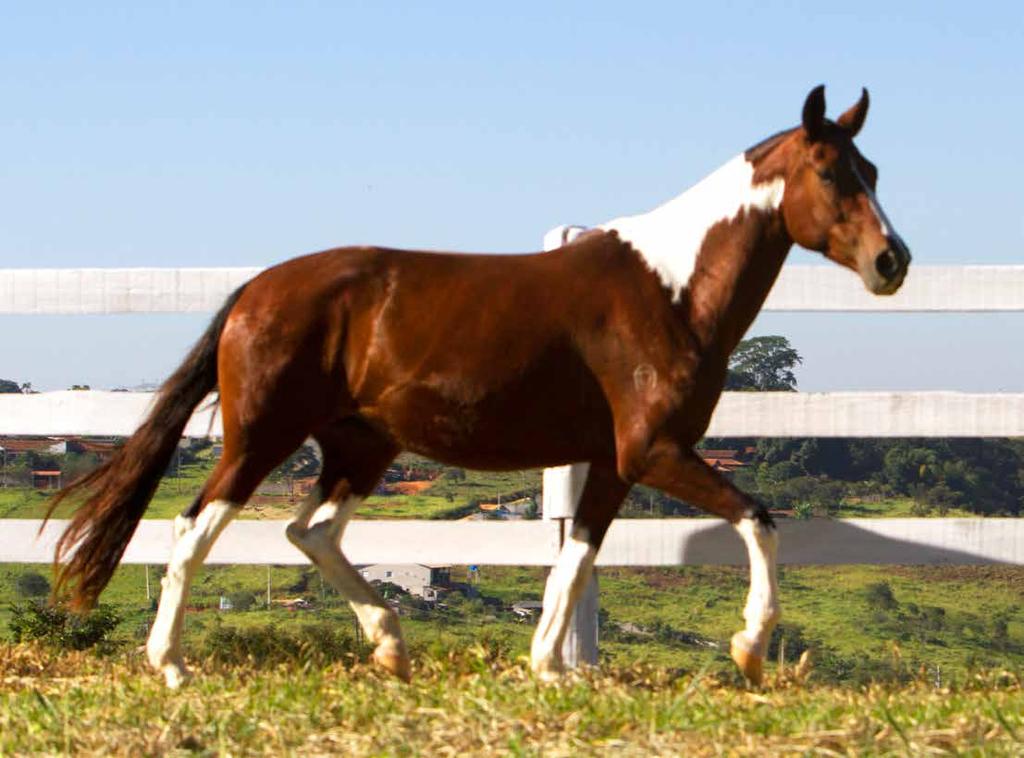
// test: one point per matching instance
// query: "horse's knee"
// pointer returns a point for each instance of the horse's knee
(632, 459)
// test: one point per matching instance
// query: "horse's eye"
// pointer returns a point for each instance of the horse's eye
(828, 176)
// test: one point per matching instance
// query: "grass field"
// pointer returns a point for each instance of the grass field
(476, 703)
(862, 622)
(445, 498)
(907, 660)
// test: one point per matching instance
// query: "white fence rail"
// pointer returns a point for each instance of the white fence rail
(632, 542)
(799, 288)
(739, 414)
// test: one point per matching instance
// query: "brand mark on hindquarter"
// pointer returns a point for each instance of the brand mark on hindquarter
(644, 377)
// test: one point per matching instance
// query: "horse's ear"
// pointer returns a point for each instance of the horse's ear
(814, 113)
(853, 119)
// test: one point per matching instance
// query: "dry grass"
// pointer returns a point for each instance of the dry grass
(474, 703)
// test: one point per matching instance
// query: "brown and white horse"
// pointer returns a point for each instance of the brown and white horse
(610, 351)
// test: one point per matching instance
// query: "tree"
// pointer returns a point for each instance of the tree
(31, 584)
(8, 387)
(763, 363)
(303, 462)
(242, 600)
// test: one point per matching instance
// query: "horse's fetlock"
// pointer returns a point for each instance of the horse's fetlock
(295, 533)
(182, 526)
(760, 514)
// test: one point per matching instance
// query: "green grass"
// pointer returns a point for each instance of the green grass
(894, 507)
(446, 498)
(825, 607)
(21, 503)
(409, 506)
(948, 620)
(475, 702)
(472, 693)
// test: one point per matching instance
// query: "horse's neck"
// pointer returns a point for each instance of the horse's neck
(733, 279)
(669, 238)
(725, 274)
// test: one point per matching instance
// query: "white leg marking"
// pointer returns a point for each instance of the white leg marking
(566, 583)
(762, 610)
(318, 534)
(193, 542)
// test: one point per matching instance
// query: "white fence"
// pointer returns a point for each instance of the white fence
(799, 288)
(639, 542)
(630, 542)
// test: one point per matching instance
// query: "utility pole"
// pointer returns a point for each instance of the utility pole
(268, 586)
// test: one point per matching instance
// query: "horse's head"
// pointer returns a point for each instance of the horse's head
(829, 203)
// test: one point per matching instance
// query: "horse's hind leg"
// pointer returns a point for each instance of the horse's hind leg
(603, 492)
(232, 482)
(355, 457)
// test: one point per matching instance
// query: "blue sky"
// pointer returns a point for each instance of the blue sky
(184, 134)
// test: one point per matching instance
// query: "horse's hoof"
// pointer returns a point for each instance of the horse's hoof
(549, 676)
(548, 672)
(394, 661)
(176, 676)
(751, 664)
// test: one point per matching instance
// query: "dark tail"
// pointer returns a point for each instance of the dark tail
(115, 495)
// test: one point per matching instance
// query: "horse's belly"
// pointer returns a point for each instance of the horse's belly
(513, 428)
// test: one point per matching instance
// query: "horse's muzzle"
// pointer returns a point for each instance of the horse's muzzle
(891, 267)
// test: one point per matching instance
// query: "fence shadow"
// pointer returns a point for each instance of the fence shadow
(868, 541)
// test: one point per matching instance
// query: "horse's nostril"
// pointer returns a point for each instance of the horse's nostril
(887, 264)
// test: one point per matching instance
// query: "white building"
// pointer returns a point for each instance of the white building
(415, 578)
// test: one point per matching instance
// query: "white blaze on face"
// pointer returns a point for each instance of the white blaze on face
(883, 220)
(670, 236)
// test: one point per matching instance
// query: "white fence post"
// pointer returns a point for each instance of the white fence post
(563, 486)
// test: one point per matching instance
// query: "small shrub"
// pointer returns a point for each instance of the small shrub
(302, 583)
(1001, 631)
(30, 584)
(796, 641)
(56, 627)
(389, 590)
(271, 644)
(803, 511)
(242, 600)
(880, 597)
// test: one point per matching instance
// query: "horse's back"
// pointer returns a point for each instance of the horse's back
(469, 358)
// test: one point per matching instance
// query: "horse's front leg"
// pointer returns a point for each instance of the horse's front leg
(603, 492)
(681, 473)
